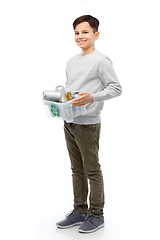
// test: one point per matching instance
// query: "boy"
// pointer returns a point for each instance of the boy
(92, 74)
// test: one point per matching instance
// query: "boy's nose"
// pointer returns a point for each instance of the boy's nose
(80, 35)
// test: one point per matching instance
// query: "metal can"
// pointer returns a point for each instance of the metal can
(61, 89)
(75, 95)
(52, 95)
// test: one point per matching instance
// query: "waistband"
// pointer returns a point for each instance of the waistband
(85, 120)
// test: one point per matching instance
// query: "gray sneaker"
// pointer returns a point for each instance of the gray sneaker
(72, 219)
(91, 224)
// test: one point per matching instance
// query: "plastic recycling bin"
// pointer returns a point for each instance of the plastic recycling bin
(65, 111)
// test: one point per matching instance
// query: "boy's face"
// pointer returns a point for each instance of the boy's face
(84, 36)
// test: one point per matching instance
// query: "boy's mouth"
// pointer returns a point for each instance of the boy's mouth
(81, 41)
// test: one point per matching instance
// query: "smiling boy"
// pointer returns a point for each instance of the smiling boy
(92, 74)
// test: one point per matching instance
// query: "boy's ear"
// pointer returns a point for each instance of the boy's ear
(97, 34)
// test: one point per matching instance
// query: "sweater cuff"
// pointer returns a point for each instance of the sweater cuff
(96, 97)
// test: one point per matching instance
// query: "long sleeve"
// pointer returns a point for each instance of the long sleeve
(108, 77)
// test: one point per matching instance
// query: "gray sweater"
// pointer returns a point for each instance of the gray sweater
(92, 73)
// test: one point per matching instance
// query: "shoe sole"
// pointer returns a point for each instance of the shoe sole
(69, 226)
(90, 231)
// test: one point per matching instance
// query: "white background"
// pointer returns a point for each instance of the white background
(35, 177)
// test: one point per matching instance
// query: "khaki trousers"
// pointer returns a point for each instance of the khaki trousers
(83, 146)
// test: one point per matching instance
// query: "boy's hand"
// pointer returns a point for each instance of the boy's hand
(85, 97)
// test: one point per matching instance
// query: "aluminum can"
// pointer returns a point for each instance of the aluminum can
(61, 89)
(75, 95)
(52, 95)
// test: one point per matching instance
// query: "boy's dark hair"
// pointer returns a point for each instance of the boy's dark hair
(93, 22)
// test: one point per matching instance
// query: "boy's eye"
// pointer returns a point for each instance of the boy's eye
(76, 33)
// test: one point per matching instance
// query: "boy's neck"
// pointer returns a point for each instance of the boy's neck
(87, 51)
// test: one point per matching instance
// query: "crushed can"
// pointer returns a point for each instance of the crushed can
(61, 90)
(75, 95)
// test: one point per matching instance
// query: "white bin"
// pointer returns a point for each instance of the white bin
(65, 111)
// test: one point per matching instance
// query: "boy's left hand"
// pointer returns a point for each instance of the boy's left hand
(85, 97)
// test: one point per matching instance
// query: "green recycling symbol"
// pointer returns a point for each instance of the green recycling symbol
(55, 110)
